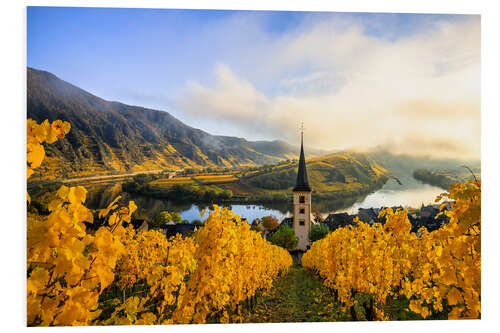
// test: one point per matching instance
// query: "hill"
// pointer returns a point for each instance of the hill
(445, 177)
(403, 166)
(345, 172)
(114, 137)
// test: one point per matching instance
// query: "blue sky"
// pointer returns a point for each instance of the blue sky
(217, 70)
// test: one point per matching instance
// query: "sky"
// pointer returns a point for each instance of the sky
(406, 82)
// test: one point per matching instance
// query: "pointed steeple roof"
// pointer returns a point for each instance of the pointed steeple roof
(302, 182)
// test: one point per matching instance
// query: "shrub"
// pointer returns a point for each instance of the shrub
(270, 222)
(285, 237)
(318, 231)
(166, 217)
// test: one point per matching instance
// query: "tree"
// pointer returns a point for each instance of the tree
(210, 195)
(166, 217)
(318, 231)
(142, 178)
(226, 195)
(318, 217)
(285, 237)
(270, 222)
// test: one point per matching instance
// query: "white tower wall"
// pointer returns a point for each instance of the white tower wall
(302, 218)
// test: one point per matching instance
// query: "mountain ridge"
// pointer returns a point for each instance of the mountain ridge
(110, 136)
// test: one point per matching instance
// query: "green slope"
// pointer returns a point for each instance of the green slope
(339, 172)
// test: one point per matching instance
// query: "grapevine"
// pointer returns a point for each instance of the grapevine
(431, 269)
(71, 268)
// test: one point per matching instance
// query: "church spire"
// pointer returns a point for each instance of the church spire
(302, 182)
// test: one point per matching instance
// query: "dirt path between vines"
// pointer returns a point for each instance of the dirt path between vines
(298, 296)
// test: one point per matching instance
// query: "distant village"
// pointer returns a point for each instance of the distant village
(426, 216)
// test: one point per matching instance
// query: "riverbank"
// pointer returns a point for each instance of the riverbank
(237, 192)
(390, 194)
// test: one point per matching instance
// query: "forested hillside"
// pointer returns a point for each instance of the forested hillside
(111, 136)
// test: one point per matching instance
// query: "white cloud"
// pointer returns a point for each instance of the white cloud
(232, 100)
(418, 94)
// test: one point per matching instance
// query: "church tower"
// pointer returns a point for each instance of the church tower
(302, 201)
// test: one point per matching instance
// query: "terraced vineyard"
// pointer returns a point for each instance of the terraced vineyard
(166, 182)
(215, 179)
(344, 171)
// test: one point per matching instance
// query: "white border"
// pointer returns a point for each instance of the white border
(13, 116)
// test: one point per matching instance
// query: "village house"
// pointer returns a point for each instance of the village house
(185, 229)
(428, 217)
(338, 220)
(368, 215)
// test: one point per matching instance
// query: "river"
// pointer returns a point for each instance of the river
(411, 194)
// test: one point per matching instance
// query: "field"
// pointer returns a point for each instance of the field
(215, 179)
(166, 182)
(239, 188)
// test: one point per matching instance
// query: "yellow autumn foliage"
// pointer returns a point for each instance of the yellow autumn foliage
(38, 134)
(233, 263)
(187, 280)
(429, 268)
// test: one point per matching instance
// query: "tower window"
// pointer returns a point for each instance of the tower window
(302, 211)
(302, 222)
(302, 199)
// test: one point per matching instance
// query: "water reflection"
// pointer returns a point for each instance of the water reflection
(407, 197)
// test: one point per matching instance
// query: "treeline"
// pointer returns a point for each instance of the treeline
(432, 178)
